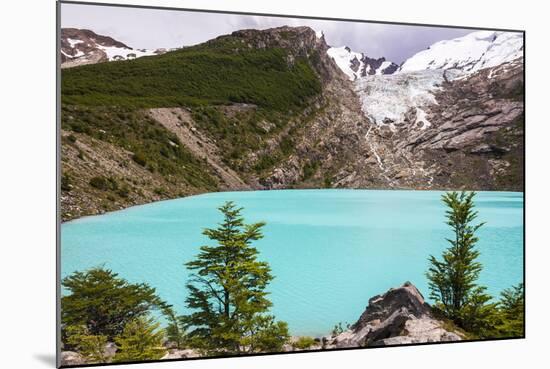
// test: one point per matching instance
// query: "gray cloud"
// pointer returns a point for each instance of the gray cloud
(156, 28)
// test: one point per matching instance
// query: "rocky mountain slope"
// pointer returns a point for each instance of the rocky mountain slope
(276, 109)
(83, 46)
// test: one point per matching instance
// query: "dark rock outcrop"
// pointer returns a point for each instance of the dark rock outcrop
(298, 41)
(399, 316)
(372, 65)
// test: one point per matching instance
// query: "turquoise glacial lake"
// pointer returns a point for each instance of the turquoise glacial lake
(330, 250)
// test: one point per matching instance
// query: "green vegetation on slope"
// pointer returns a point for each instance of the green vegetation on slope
(154, 147)
(219, 72)
(240, 96)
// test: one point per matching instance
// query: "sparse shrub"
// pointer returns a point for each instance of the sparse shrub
(113, 183)
(100, 183)
(310, 169)
(90, 346)
(104, 184)
(123, 191)
(140, 340)
(139, 158)
(66, 182)
(338, 329)
(159, 191)
(303, 343)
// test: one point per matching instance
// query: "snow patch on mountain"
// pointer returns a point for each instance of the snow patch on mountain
(470, 53)
(347, 60)
(82, 46)
(118, 53)
(356, 65)
(74, 42)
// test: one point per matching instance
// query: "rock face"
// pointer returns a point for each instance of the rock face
(432, 129)
(71, 358)
(299, 42)
(180, 354)
(399, 316)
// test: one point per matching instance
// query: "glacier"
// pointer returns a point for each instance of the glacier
(400, 97)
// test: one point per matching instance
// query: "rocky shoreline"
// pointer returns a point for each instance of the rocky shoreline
(399, 316)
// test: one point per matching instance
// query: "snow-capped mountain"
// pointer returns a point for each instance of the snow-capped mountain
(82, 46)
(356, 65)
(405, 96)
(470, 53)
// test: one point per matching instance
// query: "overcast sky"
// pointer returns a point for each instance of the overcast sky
(154, 28)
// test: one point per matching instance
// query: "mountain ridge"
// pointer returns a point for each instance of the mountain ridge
(267, 109)
(84, 46)
(469, 53)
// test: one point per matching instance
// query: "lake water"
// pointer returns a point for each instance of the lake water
(329, 250)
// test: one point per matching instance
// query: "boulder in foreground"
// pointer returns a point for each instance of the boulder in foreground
(400, 316)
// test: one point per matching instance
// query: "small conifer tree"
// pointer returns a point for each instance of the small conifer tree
(227, 291)
(453, 278)
(140, 340)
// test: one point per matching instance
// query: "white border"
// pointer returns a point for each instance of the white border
(28, 185)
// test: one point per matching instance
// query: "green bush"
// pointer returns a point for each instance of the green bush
(123, 191)
(90, 346)
(140, 340)
(338, 328)
(159, 191)
(139, 158)
(310, 169)
(303, 343)
(66, 184)
(101, 183)
(104, 303)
